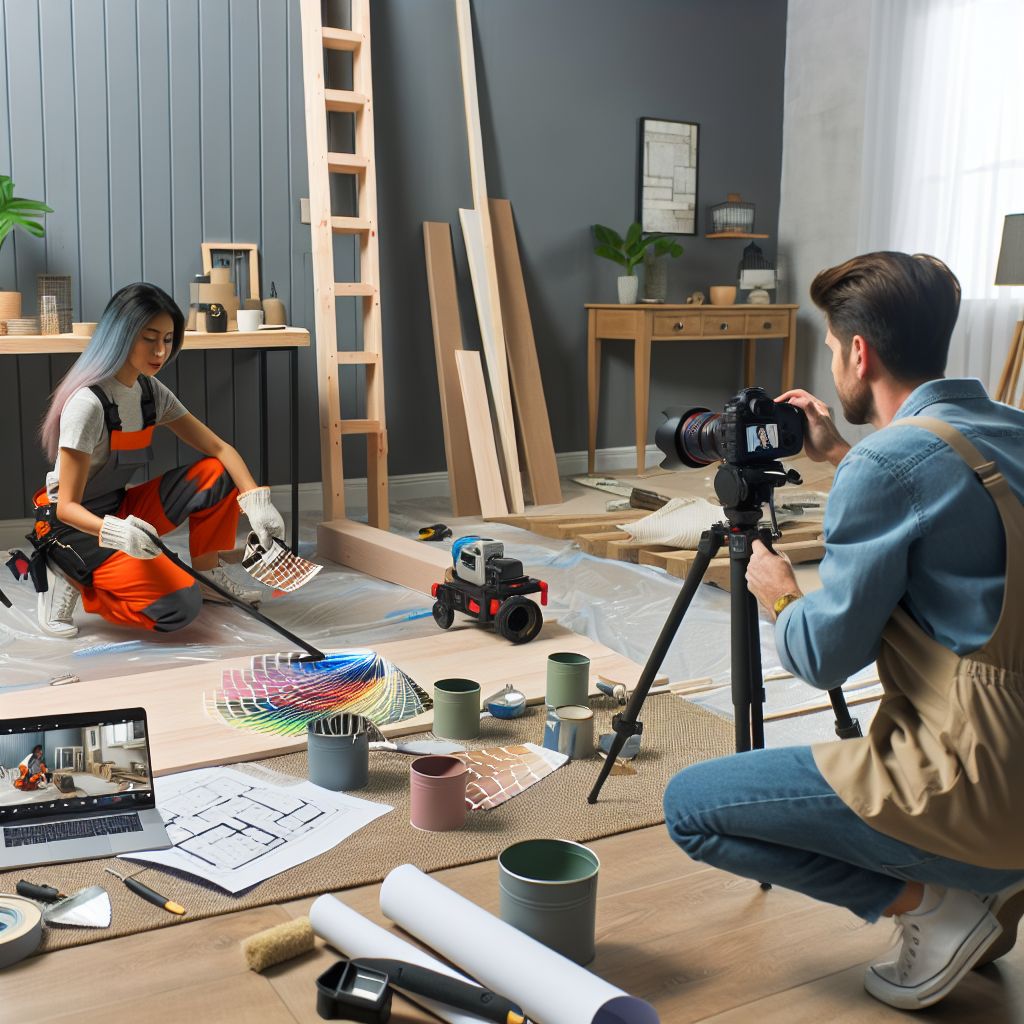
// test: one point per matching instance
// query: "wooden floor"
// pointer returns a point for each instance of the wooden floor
(699, 944)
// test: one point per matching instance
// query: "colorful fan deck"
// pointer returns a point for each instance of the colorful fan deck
(280, 694)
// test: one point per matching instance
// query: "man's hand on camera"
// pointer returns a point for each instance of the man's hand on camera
(822, 442)
(770, 576)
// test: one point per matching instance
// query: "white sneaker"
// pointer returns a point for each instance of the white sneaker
(938, 949)
(55, 608)
(1007, 907)
(220, 576)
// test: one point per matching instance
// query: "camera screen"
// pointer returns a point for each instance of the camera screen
(763, 437)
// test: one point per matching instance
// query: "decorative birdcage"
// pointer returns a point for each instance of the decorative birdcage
(59, 286)
(733, 215)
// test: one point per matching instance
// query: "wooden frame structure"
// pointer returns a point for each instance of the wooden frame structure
(321, 102)
(209, 248)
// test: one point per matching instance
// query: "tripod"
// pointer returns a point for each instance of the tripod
(742, 491)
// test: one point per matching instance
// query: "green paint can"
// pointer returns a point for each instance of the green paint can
(457, 709)
(549, 891)
(568, 680)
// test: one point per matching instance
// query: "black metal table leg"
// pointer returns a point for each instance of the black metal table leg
(294, 402)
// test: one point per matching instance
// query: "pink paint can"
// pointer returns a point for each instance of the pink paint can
(437, 793)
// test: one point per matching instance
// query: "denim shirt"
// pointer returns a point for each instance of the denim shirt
(909, 524)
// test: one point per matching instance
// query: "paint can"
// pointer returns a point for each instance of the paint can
(570, 731)
(457, 709)
(568, 679)
(549, 891)
(21, 929)
(437, 793)
(339, 752)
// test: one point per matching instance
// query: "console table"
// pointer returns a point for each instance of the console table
(647, 323)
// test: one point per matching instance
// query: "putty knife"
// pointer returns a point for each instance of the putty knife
(418, 747)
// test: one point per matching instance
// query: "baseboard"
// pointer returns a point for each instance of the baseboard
(410, 486)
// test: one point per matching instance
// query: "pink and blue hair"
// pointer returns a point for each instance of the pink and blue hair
(124, 319)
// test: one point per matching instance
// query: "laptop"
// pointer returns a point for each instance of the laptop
(76, 786)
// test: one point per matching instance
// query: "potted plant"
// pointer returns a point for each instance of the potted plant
(629, 251)
(16, 212)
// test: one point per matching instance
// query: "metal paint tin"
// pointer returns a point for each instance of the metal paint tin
(339, 752)
(457, 709)
(549, 891)
(570, 731)
(568, 679)
(437, 793)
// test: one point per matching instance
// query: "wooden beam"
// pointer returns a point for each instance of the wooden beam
(524, 369)
(488, 300)
(481, 434)
(447, 328)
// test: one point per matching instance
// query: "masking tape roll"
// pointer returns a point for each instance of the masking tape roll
(21, 929)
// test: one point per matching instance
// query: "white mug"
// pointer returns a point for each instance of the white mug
(249, 319)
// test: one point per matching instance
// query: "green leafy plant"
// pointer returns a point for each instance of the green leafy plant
(629, 251)
(16, 212)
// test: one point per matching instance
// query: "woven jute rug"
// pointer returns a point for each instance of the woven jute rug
(676, 733)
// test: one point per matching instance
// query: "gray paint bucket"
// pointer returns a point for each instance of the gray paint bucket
(437, 793)
(549, 891)
(457, 709)
(568, 679)
(339, 752)
(570, 731)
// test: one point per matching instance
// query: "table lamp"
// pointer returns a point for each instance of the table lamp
(1010, 271)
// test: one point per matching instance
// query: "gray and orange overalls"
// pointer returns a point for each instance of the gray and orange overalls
(150, 593)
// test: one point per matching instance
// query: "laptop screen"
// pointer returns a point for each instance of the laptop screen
(84, 763)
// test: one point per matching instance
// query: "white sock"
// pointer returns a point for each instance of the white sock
(931, 899)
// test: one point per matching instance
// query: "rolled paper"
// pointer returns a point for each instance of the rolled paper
(547, 985)
(355, 936)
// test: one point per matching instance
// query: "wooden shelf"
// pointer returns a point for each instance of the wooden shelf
(71, 344)
(734, 234)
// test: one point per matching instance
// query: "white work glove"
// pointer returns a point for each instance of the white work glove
(263, 517)
(133, 536)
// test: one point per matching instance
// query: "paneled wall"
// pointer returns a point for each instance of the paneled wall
(152, 125)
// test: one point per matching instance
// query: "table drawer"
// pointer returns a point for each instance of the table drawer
(722, 323)
(617, 323)
(672, 324)
(767, 323)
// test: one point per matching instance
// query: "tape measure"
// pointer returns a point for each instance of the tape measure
(21, 929)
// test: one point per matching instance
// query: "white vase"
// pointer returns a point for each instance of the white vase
(628, 288)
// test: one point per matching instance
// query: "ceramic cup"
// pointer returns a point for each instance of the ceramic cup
(437, 793)
(249, 319)
(723, 294)
(339, 752)
(568, 679)
(84, 330)
(570, 730)
(457, 709)
(549, 891)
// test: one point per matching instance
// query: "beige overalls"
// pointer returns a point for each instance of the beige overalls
(942, 766)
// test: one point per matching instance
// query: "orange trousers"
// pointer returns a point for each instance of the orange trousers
(153, 593)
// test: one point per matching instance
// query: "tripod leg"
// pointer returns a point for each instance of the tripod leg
(625, 723)
(756, 678)
(847, 727)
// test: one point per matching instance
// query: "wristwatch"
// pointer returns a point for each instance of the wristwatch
(784, 602)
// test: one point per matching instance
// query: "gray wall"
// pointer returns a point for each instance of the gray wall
(152, 126)
(822, 165)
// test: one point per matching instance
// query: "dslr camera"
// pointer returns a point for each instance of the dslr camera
(752, 430)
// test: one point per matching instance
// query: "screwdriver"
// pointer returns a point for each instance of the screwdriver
(150, 895)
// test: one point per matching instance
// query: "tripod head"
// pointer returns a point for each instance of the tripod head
(743, 490)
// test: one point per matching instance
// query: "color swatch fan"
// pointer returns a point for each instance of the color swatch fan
(278, 568)
(280, 694)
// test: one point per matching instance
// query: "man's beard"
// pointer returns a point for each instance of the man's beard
(857, 402)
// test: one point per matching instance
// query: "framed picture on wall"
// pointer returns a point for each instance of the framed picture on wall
(666, 195)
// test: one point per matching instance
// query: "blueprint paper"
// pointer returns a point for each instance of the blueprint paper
(236, 828)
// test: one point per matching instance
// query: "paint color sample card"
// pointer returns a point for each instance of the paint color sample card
(497, 774)
(278, 567)
(237, 829)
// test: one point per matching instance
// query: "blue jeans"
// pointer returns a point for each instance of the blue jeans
(769, 815)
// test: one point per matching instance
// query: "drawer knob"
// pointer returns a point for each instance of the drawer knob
(766, 326)
(678, 326)
(723, 326)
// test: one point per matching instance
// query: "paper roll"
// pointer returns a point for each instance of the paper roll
(548, 986)
(355, 936)
(21, 929)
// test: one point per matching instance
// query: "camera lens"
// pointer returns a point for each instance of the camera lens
(690, 439)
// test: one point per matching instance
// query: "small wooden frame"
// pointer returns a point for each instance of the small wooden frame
(209, 248)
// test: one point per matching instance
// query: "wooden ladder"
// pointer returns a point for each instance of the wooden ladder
(320, 103)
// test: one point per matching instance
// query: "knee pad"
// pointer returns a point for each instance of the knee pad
(176, 610)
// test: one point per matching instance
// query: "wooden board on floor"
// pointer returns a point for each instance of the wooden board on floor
(524, 368)
(481, 434)
(447, 326)
(385, 556)
(182, 734)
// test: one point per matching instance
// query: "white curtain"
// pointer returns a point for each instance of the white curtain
(944, 154)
